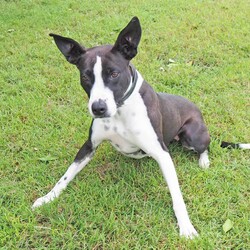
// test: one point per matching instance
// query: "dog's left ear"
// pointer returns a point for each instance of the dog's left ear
(128, 39)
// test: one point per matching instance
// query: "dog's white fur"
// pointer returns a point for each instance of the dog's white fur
(204, 160)
(100, 91)
(244, 145)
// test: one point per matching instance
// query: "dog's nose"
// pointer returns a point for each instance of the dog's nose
(99, 108)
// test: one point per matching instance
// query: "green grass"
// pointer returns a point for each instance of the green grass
(116, 202)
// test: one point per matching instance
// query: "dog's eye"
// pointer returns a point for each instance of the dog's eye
(114, 75)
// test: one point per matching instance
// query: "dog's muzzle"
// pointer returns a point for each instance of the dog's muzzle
(99, 108)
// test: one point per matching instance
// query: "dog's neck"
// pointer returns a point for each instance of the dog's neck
(131, 87)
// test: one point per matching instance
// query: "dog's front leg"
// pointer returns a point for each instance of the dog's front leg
(82, 158)
(166, 164)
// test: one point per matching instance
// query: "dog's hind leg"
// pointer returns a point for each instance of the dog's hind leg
(194, 135)
(82, 158)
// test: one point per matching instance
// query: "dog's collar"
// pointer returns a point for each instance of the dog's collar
(131, 87)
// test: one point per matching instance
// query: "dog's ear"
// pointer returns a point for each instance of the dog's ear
(128, 39)
(71, 49)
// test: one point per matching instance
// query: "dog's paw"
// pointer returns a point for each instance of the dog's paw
(188, 231)
(204, 161)
(41, 201)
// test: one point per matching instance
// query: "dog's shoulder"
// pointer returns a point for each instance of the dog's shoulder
(148, 94)
(151, 101)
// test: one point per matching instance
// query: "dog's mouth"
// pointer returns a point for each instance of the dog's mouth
(101, 116)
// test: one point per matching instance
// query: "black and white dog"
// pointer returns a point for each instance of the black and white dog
(127, 112)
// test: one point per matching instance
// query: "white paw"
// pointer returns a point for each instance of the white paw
(45, 199)
(188, 231)
(204, 161)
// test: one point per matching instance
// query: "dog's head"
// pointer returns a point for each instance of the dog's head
(106, 75)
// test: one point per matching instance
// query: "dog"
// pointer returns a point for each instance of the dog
(136, 120)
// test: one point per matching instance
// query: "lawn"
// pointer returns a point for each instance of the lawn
(197, 49)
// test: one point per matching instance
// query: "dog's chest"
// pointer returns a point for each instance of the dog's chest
(119, 133)
(124, 129)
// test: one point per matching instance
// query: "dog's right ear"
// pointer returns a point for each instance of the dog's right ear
(71, 49)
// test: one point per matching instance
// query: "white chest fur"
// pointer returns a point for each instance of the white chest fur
(121, 130)
(119, 135)
(127, 128)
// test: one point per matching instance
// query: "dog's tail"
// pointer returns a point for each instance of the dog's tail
(231, 145)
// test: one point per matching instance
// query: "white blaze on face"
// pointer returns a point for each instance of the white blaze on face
(100, 92)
